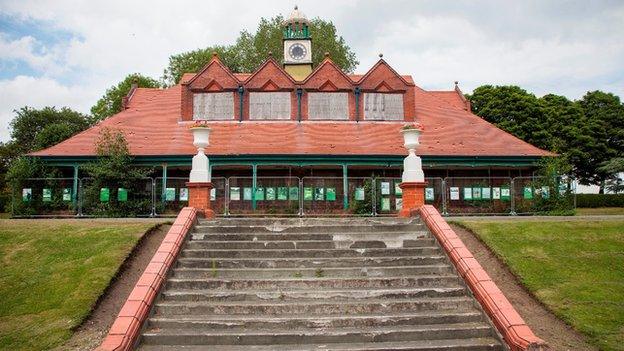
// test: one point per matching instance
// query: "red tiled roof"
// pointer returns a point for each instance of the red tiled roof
(451, 97)
(152, 128)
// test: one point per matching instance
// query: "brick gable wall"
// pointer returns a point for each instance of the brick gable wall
(270, 77)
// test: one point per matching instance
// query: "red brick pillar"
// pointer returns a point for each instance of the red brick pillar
(413, 197)
(199, 197)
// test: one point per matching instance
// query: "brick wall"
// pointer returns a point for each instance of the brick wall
(270, 76)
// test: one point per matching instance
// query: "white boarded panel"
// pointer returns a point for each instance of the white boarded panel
(269, 105)
(213, 106)
(334, 106)
(383, 107)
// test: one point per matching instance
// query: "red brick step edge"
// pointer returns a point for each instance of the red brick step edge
(512, 327)
(125, 330)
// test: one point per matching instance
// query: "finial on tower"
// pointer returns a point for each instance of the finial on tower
(296, 16)
(456, 83)
(380, 55)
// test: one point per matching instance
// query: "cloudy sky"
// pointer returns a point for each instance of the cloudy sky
(66, 53)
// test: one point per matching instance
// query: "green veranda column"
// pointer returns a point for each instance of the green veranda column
(345, 187)
(254, 170)
(75, 186)
(164, 182)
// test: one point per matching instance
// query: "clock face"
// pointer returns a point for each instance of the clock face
(297, 51)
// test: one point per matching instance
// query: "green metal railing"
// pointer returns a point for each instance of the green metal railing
(291, 196)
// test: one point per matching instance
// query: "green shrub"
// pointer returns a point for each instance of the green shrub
(5, 201)
(599, 200)
(113, 170)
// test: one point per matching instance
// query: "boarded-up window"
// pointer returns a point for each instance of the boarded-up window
(328, 106)
(383, 107)
(213, 106)
(269, 105)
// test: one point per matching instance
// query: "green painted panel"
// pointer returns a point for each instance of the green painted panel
(47, 194)
(331, 194)
(104, 194)
(293, 193)
(122, 195)
(259, 194)
(282, 193)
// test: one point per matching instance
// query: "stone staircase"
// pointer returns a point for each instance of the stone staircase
(315, 284)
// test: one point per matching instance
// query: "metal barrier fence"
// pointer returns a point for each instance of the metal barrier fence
(478, 196)
(117, 199)
(269, 195)
(534, 194)
(42, 197)
(290, 196)
(171, 195)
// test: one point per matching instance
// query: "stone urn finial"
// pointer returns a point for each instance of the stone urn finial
(412, 165)
(201, 139)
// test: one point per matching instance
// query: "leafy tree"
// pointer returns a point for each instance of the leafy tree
(34, 129)
(193, 61)
(252, 49)
(21, 169)
(553, 188)
(113, 170)
(111, 102)
(586, 133)
(514, 110)
(605, 118)
(570, 133)
(613, 168)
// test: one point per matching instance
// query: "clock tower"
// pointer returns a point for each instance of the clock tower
(297, 45)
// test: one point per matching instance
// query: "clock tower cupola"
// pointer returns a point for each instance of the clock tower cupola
(297, 45)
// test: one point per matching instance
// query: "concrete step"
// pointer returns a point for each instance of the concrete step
(355, 236)
(471, 344)
(312, 253)
(322, 229)
(322, 262)
(311, 306)
(343, 284)
(314, 283)
(211, 322)
(316, 335)
(298, 245)
(326, 295)
(309, 221)
(321, 272)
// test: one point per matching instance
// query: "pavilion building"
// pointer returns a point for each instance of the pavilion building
(296, 120)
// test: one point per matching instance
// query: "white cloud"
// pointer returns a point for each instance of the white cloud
(561, 47)
(32, 52)
(38, 92)
(438, 50)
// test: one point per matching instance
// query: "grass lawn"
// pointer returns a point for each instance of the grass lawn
(575, 268)
(53, 271)
(600, 211)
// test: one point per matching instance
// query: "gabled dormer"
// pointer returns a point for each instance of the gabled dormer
(210, 94)
(382, 76)
(386, 95)
(215, 76)
(269, 77)
(328, 77)
(328, 93)
(270, 93)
